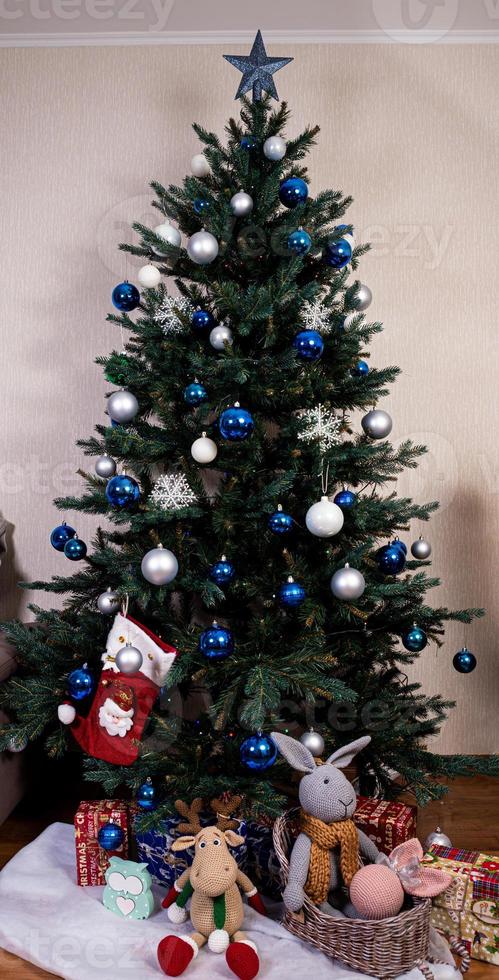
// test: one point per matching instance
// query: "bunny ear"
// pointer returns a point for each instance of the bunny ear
(405, 853)
(294, 752)
(431, 882)
(343, 757)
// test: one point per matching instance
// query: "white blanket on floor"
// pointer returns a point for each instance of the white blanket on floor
(48, 919)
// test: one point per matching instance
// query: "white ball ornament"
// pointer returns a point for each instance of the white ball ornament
(149, 276)
(204, 450)
(169, 233)
(66, 714)
(199, 165)
(202, 247)
(241, 204)
(274, 148)
(324, 518)
(347, 583)
(348, 321)
(159, 566)
(220, 336)
(122, 406)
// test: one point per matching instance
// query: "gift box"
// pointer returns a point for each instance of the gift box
(91, 860)
(385, 822)
(469, 908)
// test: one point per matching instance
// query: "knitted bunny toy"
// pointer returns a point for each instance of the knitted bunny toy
(326, 852)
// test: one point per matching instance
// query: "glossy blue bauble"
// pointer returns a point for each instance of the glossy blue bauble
(123, 491)
(280, 523)
(414, 639)
(345, 499)
(292, 192)
(216, 643)
(248, 143)
(299, 242)
(201, 205)
(110, 837)
(236, 424)
(337, 253)
(202, 320)
(74, 549)
(258, 752)
(308, 345)
(146, 796)
(195, 393)
(60, 535)
(360, 370)
(292, 594)
(125, 297)
(80, 684)
(222, 572)
(390, 559)
(464, 661)
(397, 543)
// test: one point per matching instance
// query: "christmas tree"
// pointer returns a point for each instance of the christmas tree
(246, 481)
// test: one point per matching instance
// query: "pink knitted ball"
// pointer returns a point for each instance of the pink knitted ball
(376, 892)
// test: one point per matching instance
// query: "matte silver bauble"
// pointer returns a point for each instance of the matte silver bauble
(129, 659)
(274, 148)
(202, 247)
(324, 518)
(199, 165)
(437, 837)
(362, 298)
(241, 204)
(159, 566)
(377, 424)
(105, 466)
(347, 583)
(421, 549)
(314, 742)
(108, 602)
(169, 233)
(220, 336)
(122, 406)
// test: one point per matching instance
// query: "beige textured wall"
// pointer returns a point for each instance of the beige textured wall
(411, 132)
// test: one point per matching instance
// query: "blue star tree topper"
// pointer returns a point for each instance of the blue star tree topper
(257, 70)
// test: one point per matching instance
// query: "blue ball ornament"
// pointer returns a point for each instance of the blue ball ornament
(337, 253)
(74, 549)
(123, 491)
(292, 594)
(258, 752)
(414, 639)
(195, 393)
(80, 683)
(280, 523)
(464, 661)
(125, 297)
(236, 424)
(222, 572)
(308, 345)
(248, 143)
(397, 543)
(60, 535)
(216, 643)
(110, 837)
(390, 559)
(146, 796)
(202, 320)
(299, 242)
(345, 499)
(360, 370)
(201, 205)
(292, 192)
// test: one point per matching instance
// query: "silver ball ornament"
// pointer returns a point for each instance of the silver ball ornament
(202, 247)
(377, 424)
(241, 204)
(274, 148)
(129, 660)
(220, 336)
(362, 298)
(105, 466)
(159, 566)
(347, 583)
(314, 742)
(324, 518)
(437, 837)
(108, 602)
(169, 233)
(149, 276)
(122, 406)
(421, 549)
(17, 744)
(204, 450)
(199, 165)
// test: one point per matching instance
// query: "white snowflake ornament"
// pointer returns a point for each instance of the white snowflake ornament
(172, 492)
(167, 315)
(315, 316)
(321, 425)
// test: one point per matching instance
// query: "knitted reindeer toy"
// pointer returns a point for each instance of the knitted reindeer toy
(212, 883)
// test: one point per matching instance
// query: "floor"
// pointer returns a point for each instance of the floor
(469, 816)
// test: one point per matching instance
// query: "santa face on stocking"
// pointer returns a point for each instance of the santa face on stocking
(122, 704)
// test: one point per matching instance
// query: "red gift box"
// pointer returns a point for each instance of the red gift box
(91, 860)
(386, 822)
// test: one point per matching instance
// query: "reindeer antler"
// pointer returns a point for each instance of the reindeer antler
(224, 806)
(192, 823)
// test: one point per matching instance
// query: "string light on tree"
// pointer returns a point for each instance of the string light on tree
(170, 312)
(172, 492)
(320, 425)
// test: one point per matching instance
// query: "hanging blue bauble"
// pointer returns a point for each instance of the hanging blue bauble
(195, 393)
(258, 752)
(202, 320)
(292, 192)
(80, 683)
(337, 253)
(146, 796)
(222, 572)
(248, 143)
(123, 491)
(414, 639)
(216, 643)
(60, 535)
(390, 559)
(201, 205)
(299, 242)
(345, 499)
(74, 549)
(110, 837)
(397, 543)
(360, 370)
(280, 523)
(236, 424)
(125, 297)
(308, 345)
(292, 593)
(464, 661)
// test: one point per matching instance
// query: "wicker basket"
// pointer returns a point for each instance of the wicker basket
(385, 948)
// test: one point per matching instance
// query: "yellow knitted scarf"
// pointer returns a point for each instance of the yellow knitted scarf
(324, 837)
